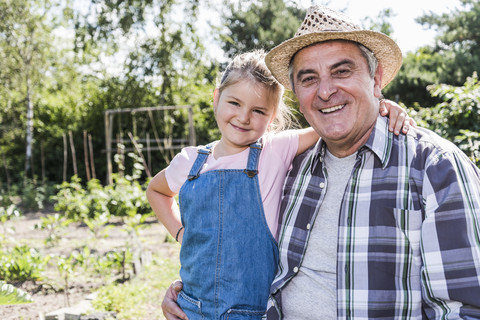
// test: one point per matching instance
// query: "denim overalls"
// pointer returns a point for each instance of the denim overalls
(228, 255)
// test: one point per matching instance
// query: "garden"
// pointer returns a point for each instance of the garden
(87, 240)
(132, 82)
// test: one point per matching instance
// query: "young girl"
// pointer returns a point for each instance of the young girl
(229, 195)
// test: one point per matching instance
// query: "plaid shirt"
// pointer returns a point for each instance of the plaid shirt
(409, 228)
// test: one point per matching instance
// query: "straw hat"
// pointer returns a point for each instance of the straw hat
(322, 24)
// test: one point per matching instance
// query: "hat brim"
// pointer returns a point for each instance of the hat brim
(384, 48)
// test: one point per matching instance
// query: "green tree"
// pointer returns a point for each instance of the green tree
(453, 58)
(380, 23)
(458, 40)
(165, 62)
(25, 46)
(258, 24)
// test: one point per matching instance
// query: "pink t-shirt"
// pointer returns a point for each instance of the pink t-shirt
(275, 160)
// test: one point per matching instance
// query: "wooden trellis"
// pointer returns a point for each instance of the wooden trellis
(162, 147)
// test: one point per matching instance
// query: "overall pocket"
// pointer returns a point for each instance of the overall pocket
(192, 307)
(243, 314)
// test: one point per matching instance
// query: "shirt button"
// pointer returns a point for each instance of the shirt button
(295, 269)
(322, 185)
(308, 226)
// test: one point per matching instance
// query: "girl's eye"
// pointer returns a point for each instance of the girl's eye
(259, 111)
(234, 103)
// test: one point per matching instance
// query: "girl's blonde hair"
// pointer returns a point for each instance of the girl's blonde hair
(251, 66)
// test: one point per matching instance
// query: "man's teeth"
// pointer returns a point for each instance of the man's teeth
(335, 108)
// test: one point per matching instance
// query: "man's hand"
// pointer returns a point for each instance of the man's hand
(170, 308)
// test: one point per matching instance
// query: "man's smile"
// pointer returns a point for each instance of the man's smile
(332, 109)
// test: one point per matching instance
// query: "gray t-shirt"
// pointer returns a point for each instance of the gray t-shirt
(311, 294)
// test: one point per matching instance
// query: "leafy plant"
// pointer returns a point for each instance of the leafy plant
(131, 299)
(21, 263)
(71, 199)
(120, 260)
(457, 118)
(55, 225)
(6, 214)
(102, 265)
(34, 196)
(97, 225)
(11, 295)
(65, 266)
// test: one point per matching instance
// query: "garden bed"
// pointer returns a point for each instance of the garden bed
(48, 292)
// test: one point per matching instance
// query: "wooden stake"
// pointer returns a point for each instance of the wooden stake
(65, 157)
(74, 157)
(42, 161)
(92, 163)
(6, 171)
(85, 155)
(149, 153)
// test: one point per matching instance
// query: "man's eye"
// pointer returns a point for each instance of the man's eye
(342, 72)
(308, 81)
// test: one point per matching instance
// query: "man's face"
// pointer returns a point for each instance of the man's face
(337, 95)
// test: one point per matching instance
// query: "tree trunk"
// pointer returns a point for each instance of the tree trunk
(29, 133)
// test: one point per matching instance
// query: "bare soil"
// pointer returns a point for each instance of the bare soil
(48, 294)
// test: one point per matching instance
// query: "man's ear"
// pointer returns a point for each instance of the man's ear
(377, 78)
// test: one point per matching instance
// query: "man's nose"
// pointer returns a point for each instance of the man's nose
(326, 88)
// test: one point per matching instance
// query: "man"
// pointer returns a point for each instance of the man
(374, 225)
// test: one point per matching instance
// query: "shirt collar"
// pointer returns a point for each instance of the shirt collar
(379, 142)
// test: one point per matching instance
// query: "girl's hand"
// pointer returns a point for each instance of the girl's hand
(399, 119)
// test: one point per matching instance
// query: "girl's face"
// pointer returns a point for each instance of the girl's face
(243, 113)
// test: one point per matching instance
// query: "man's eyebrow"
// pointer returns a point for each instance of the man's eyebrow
(347, 62)
(343, 62)
(300, 73)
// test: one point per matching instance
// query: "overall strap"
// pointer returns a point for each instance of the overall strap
(253, 157)
(200, 161)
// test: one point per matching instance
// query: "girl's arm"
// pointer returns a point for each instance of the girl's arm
(306, 138)
(399, 119)
(163, 203)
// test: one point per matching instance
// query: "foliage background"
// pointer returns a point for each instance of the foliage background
(63, 63)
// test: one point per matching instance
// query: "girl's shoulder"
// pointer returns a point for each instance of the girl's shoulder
(177, 171)
(286, 137)
(187, 154)
(280, 146)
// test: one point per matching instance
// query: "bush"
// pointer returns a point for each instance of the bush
(21, 263)
(457, 118)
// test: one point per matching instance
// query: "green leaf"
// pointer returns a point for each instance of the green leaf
(11, 295)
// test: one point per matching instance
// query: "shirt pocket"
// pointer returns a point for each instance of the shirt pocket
(394, 242)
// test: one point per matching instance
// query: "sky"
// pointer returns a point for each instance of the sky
(409, 34)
